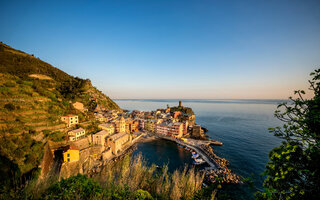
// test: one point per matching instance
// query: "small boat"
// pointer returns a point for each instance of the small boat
(195, 156)
(198, 161)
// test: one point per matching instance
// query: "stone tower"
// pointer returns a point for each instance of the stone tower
(122, 125)
(180, 103)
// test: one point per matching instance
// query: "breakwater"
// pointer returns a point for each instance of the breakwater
(218, 167)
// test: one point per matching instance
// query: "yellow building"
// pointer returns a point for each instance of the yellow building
(149, 125)
(109, 128)
(70, 153)
(122, 125)
(176, 130)
(76, 134)
(70, 120)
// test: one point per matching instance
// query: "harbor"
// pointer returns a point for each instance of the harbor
(203, 154)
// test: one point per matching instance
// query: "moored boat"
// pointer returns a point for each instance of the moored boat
(195, 155)
(198, 161)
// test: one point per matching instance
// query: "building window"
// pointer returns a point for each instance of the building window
(68, 155)
(68, 159)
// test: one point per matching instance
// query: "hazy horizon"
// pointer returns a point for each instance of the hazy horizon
(173, 49)
(189, 99)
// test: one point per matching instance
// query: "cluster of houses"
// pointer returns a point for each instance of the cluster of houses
(166, 122)
(111, 138)
(117, 128)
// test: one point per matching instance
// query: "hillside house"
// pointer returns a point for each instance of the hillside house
(70, 120)
(70, 153)
(76, 134)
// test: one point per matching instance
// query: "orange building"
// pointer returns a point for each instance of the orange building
(176, 114)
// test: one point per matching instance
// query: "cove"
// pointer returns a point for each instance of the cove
(162, 152)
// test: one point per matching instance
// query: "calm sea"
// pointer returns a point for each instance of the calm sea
(242, 126)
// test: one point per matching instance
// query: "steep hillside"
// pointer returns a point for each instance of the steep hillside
(33, 97)
(21, 64)
(24, 66)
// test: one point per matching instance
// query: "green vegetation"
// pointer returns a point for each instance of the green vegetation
(34, 95)
(135, 174)
(60, 84)
(22, 150)
(131, 179)
(82, 187)
(182, 109)
(21, 64)
(77, 187)
(56, 136)
(293, 169)
(126, 179)
(72, 88)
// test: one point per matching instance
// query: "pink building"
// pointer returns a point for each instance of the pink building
(162, 129)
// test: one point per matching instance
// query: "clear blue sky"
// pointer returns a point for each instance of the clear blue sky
(173, 49)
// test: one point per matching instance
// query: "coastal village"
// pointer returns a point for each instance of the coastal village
(119, 131)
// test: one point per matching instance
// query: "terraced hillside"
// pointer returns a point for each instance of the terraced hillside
(33, 97)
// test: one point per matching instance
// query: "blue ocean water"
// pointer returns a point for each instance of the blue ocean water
(242, 126)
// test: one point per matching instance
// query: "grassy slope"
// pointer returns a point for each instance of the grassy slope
(37, 106)
(21, 64)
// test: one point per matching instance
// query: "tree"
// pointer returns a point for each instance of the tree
(293, 169)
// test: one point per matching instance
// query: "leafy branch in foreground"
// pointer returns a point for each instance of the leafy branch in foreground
(293, 169)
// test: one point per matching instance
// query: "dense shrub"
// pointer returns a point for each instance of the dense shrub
(22, 150)
(9, 106)
(72, 88)
(77, 187)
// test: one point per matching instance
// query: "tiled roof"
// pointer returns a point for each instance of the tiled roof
(106, 125)
(77, 130)
(70, 147)
(71, 115)
(103, 132)
(117, 136)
